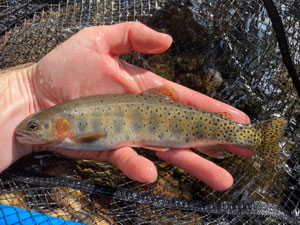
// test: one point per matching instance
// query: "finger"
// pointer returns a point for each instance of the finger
(143, 80)
(239, 150)
(126, 37)
(205, 170)
(126, 159)
(133, 165)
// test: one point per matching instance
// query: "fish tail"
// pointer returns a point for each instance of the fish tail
(272, 130)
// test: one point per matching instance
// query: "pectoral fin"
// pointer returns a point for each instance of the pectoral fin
(87, 138)
(165, 91)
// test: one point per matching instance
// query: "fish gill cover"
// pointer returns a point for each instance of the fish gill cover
(230, 50)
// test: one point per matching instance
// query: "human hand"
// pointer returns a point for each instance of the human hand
(88, 64)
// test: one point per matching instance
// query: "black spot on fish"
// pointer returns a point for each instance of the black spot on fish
(119, 121)
(81, 124)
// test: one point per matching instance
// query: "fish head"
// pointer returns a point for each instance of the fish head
(43, 129)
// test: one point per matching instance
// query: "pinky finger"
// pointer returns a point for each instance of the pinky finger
(203, 169)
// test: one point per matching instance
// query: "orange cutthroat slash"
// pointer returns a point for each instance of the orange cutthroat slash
(153, 120)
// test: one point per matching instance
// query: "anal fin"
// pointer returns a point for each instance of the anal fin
(159, 149)
(214, 151)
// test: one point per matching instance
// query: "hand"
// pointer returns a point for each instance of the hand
(88, 64)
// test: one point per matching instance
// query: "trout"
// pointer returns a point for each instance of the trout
(152, 120)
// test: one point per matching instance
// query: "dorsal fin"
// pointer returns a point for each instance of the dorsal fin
(165, 91)
(225, 115)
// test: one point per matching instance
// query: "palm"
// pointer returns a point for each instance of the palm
(88, 64)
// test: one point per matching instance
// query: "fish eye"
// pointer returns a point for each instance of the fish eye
(32, 125)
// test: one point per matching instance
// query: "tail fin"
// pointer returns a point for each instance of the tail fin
(272, 130)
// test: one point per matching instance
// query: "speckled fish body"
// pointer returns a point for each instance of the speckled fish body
(108, 122)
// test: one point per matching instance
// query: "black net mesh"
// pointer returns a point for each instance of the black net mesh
(226, 49)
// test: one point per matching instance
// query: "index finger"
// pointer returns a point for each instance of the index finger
(190, 97)
(144, 80)
(134, 36)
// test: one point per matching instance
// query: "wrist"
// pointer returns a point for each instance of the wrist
(17, 89)
(18, 100)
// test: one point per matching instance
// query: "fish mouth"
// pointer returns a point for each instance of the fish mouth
(26, 138)
(29, 139)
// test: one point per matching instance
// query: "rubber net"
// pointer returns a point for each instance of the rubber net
(227, 49)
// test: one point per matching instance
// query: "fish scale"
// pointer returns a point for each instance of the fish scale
(147, 120)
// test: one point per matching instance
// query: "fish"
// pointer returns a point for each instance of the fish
(152, 119)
